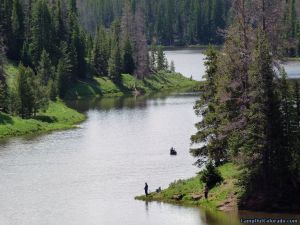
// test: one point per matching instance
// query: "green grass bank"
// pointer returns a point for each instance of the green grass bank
(103, 86)
(190, 192)
(57, 117)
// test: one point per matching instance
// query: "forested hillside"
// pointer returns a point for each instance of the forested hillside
(250, 111)
(53, 52)
(168, 22)
(175, 22)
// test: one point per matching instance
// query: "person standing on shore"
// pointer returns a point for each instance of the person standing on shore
(206, 192)
(146, 189)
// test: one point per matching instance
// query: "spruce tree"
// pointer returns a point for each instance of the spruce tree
(41, 38)
(59, 23)
(45, 69)
(6, 7)
(153, 58)
(296, 92)
(172, 67)
(115, 64)
(3, 84)
(25, 91)
(101, 52)
(34, 96)
(64, 70)
(207, 108)
(76, 40)
(18, 30)
(128, 62)
(161, 59)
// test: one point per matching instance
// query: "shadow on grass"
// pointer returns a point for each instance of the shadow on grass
(92, 83)
(5, 119)
(46, 119)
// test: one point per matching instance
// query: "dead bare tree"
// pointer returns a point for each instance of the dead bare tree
(141, 47)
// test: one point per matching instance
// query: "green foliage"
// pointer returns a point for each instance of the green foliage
(128, 62)
(56, 117)
(211, 176)
(18, 30)
(31, 91)
(42, 30)
(101, 52)
(115, 65)
(45, 70)
(3, 96)
(162, 63)
(104, 86)
(168, 22)
(192, 187)
(208, 129)
(172, 67)
(3, 82)
(64, 70)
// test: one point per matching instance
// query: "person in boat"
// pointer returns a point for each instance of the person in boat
(206, 189)
(146, 189)
(173, 151)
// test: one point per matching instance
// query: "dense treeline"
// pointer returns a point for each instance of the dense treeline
(49, 46)
(168, 22)
(250, 110)
(53, 51)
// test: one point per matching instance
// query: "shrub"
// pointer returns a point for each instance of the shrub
(211, 176)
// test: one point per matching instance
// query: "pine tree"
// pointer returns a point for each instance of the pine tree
(115, 64)
(77, 41)
(3, 84)
(18, 30)
(6, 7)
(59, 23)
(101, 52)
(297, 100)
(72, 6)
(45, 69)
(64, 70)
(153, 58)
(128, 62)
(161, 59)
(41, 38)
(34, 96)
(25, 91)
(78, 46)
(172, 67)
(207, 108)
(127, 20)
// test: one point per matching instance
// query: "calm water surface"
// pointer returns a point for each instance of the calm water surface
(90, 175)
(190, 62)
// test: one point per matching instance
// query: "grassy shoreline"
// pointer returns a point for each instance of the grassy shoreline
(57, 117)
(190, 192)
(104, 87)
(60, 117)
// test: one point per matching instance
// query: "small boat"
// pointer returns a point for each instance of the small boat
(173, 151)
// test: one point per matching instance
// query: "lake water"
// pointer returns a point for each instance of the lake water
(90, 175)
(190, 62)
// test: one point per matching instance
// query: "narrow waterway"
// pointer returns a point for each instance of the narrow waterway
(90, 175)
(190, 62)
